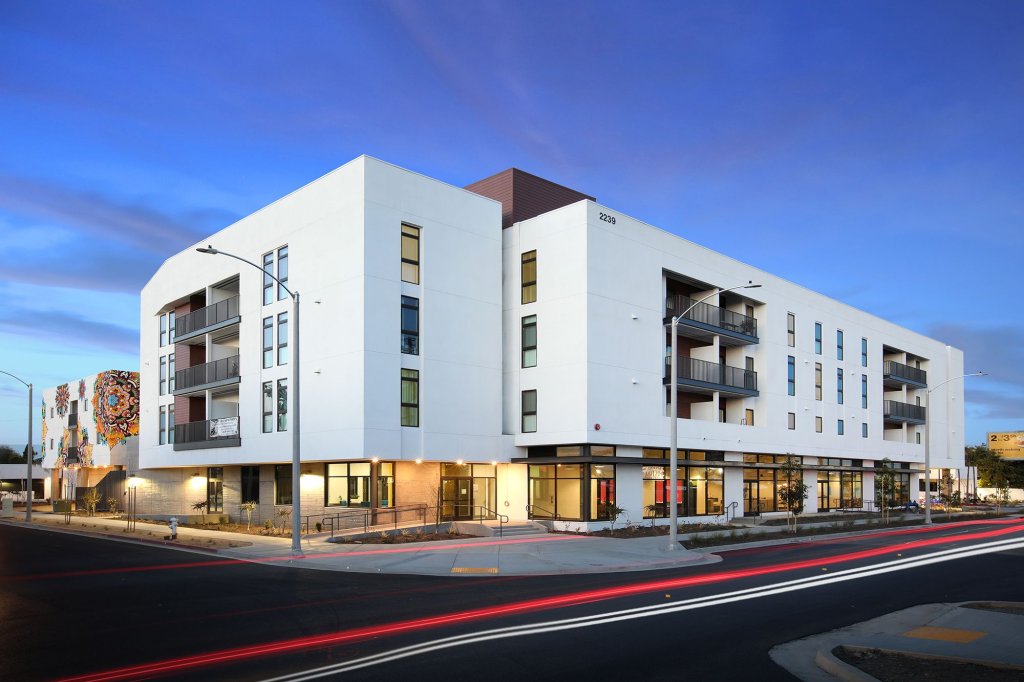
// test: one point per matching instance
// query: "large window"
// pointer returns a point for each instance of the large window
(791, 375)
(817, 381)
(839, 386)
(268, 280)
(840, 427)
(576, 492)
(761, 483)
(282, 271)
(163, 331)
(250, 491)
(268, 342)
(529, 277)
(839, 489)
(282, 404)
(699, 490)
(791, 421)
(410, 254)
(170, 373)
(468, 491)
(839, 344)
(791, 330)
(268, 407)
(348, 484)
(410, 397)
(170, 424)
(530, 341)
(863, 352)
(410, 325)
(215, 489)
(817, 338)
(282, 339)
(163, 375)
(282, 484)
(529, 411)
(817, 425)
(864, 391)
(163, 425)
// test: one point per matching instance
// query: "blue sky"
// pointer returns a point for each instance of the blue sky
(868, 150)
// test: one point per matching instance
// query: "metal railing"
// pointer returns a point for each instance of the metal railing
(73, 456)
(206, 373)
(366, 518)
(206, 430)
(206, 317)
(711, 315)
(713, 373)
(72, 420)
(491, 514)
(897, 410)
(898, 370)
(532, 509)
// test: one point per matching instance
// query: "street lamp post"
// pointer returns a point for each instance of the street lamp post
(296, 460)
(673, 458)
(28, 452)
(927, 443)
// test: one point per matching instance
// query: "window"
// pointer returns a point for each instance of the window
(761, 483)
(282, 484)
(410, 325)
(163, 331)
(749, 418)
(410, 397)
(529, 277)
(250, 491)
(792, 421)
(163, 375)
(840, 427)
(268, 407)
(839, 386)
(282, 338)
(268, 280)
(791, 330)
(917, 438)
(863, 429)
(864, 391)
(791, 374)
(170, 327)
(170, 372)
(282, 272)
(817, 338)
(817, 424)
(530, 341)
(282, 404)
(215, 489)
(529, 411)
(410, 254)
(347, 485)
(839, 489)
(268, 342)
(163, 425)
(170, 424)
(839, 344)
(817, 381)
(863, 352)
(699, 490)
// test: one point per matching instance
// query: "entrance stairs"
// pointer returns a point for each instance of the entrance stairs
(518, 529)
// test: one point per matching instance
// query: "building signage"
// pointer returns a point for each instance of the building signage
(225, 427)
(1007, 444)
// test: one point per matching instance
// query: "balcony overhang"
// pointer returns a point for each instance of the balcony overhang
(709, 388)
(202, 388)
(702, 331)
(198, 336)
(208, 444)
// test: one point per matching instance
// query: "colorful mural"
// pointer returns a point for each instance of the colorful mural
(63, 398)
(62, 449)
(115, 403)
(85, 447)
(81, 389)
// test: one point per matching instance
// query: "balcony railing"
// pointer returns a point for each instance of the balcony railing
(905, 374)
(206, 319)
(207, 375)
(712, 318)
(73, 456)
(712, 376)
(895, 411)
(210, 433)
(73, 420)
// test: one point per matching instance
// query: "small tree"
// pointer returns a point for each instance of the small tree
(112, 505)
(885, 487)
(201, 508)
(91, 499)
(284, 515)
(248, 507)
(1002, 494)
(794, 491)
(613, 512)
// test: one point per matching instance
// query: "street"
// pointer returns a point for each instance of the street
(76, 607)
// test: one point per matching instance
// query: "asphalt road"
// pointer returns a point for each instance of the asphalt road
(72, 606)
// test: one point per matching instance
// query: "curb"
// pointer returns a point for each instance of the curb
(170, 544)
(840, 670)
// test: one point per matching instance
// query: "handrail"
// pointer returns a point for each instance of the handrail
(502, 518)
(367, 515)
(550, 514)
(733, 506)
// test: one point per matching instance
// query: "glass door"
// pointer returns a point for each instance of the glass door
(457, 498)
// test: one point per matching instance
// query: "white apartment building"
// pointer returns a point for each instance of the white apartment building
(501, 349)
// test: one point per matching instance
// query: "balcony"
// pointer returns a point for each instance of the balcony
(73, 420)
(701, 376)
(211, 433)
(704, 321)
(896, 374)
(194, 326)
(223, 372)
(895, 412)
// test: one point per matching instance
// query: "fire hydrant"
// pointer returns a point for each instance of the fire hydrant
(173, 525)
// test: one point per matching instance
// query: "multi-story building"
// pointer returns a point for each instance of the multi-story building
(502, 348)
(89, 433)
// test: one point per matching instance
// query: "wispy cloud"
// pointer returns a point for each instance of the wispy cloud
(68, 328)
(999, 351)
(1001, 404)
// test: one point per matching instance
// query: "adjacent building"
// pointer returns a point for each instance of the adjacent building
(502, 349)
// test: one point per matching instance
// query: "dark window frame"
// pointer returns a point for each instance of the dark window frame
(268, 335)
(282, 484)
(529, 286)
(268, 280)
(249, 484)
(528, 326)
(526, 411)
(410, 409)
(410, 311)
(282, 338)
(791, 375)
(282, 272)
(413, 235)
